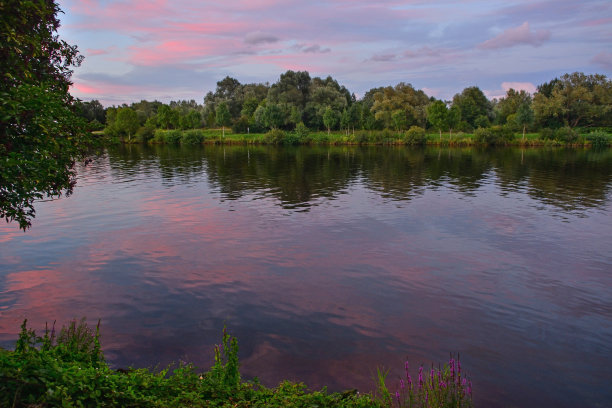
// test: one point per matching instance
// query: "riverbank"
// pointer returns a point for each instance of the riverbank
(488, 136)
(69, 370)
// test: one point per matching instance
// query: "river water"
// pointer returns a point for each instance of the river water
(327, 262)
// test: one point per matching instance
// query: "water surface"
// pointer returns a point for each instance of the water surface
(327, 262)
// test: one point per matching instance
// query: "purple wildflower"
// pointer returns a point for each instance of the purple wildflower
(469, 390)
(402, 383)
(407, 367)
(421, 377)
(397, 395)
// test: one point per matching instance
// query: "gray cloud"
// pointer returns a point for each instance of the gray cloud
(383, 57)
(315, 49)
(258, 37)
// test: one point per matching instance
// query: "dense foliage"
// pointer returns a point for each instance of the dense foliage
(41, 135)
(69, 370)
(384, 115)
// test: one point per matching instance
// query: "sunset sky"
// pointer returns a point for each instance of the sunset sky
(170, 50)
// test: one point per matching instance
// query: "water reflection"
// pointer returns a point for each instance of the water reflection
(329, 261)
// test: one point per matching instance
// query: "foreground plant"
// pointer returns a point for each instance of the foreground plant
(69, 370)
(445, 387)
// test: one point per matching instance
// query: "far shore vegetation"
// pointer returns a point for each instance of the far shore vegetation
(67, 368)
(574, 109)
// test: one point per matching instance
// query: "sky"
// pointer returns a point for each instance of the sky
(172, 50)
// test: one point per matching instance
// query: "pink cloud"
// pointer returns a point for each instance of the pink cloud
(603, 59)
(597, 22)
(505, 86)
(521, 35)
(90, 52)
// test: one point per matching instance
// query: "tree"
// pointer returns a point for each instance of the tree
(167, 117)
(41, 135)
(126, 122)
(330, 119)
(399, 119)
(401, 97)
(524, 116)
(575, 100)
(510, 104)
(453, 119)
(472, 104)
(273, 116)
(223, 116)
(437, 115)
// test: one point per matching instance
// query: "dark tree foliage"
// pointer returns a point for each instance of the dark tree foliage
(472, 104)
(41, 135)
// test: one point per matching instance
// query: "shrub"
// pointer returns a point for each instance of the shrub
(482, 122)
(70, 371)
(495, 135)
(566, 135)
(415, 136)
(547, 134)
(241, 125)
(193, 137)
(301, 133)
(361, 137)
(145, 133)
(274, 136)
(598, 139)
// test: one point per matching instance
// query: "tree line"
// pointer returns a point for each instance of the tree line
(298, 100)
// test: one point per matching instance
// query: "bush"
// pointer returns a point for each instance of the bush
(482, 122)
(598, 139)
(547, 134)
(70, 371)
(193, 137)
(301, 133)
(566, 135)
(361, 137)
(415, 136)
(274, 136)
(495, 135)
(167, 136)
(241, 125)
(145, 133)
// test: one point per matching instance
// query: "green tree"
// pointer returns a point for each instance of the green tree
(437, 115)
(126, 122)
(330, 119)
(41, 135)
(223, 116)
(273, 116)
(575, 100)
(399, 119)
(510, 104)
(453, 119)
(192, 120)
(401, 97)
(524, 116)
(472, 104)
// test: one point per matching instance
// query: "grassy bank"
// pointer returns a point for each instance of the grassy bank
(414, 136)
(68, 369)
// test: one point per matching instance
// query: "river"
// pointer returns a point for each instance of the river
(327, 262)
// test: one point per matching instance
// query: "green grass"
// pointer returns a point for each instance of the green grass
(364, 137)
